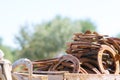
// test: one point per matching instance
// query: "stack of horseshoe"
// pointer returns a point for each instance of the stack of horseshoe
(97, 54)
(88, 53)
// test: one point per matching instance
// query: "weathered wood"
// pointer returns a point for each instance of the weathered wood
(25, 76)
(66, 76)
(72, 76)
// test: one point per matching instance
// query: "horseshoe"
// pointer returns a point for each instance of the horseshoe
(68, 58)
(93, 68)
(115, 63)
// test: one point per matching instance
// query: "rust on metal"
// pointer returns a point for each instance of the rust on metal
(88, 53)
(98, 54)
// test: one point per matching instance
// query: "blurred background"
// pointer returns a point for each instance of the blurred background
(39, 29)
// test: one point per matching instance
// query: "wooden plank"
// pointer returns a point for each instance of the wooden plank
(5, 67)
(66, 76)
(25, 76)
(74, 76)
(50, 72)
(55, 77)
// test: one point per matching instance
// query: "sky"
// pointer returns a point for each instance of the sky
(105, 14)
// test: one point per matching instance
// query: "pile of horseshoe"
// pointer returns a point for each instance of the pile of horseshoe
(87, 53)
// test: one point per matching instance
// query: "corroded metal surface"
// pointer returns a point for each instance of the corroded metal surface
(25, 62)
(110, 63)
(90, 56)
(98, 54)
(88, 53)
(67, 61)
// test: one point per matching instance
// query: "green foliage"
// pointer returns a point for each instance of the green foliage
(118, 35)
(7, 51)
(24, 37)
(87, 25)
(48, 39)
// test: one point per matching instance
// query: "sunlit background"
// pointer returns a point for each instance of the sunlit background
(14, 14)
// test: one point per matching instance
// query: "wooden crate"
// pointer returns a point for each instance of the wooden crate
(65, 76)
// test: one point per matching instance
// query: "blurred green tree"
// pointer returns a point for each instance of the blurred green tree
(7, 51)
(118, 35)
(48, 39)
(87, 25)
